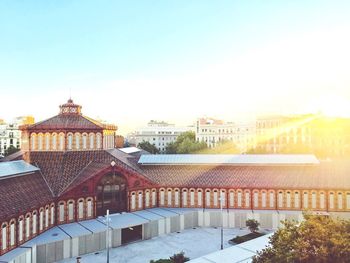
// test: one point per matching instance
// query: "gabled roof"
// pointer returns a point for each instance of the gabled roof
(23, 193)
(60, 169)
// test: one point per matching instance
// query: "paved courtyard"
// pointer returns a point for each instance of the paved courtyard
(194, 242)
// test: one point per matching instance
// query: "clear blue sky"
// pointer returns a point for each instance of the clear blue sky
(123, 59)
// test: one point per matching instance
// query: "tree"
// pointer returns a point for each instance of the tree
(223, 147)
(185, 143)
(179, 258)
(148, 147)
(10, 150)
(253, 225)
(316, 239)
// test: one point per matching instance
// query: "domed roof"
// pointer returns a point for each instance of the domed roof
(70, 118)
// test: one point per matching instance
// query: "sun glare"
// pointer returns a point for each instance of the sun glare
(332, 106)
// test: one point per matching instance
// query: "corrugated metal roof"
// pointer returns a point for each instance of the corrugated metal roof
(130, 149)
(8, 169)
(230, 159)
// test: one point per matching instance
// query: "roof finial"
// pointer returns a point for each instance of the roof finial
(70, 96)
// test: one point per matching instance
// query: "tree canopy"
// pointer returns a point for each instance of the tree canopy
(10, 150)
(185, 143)
(147, 146)
(253, 225)
(320, 239)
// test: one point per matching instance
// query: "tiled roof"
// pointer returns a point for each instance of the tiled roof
(66, 122)
(60, 169)
(23, 193)
(333, 175)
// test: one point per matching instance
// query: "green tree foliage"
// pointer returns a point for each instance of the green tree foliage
(253, 225)
(185, 143)
(10, 150)
(179, 258)
(148, 147)
(223, 147)
(319, 239)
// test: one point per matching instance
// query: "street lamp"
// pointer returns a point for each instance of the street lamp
(107, 234)
(222, 222)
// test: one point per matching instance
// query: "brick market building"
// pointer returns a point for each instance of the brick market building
(69, 170)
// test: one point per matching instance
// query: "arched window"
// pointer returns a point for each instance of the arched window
(33, 141)
(140, 203)
(54, 141)
(70, 210)
(46, 217)
(4, 236)
(340, 201)
(288, 199)
(322, 205)
(89, 207)
(347, 200)
(161, 196)
(207, 198)
(77, 141)
(81, 209)
(247, 199)
(192, 197)
(232, 198)
(306, 200)
(70, 141)
(91, 139)
(61, 212)
(20, 229)
(177, 197)
(133, 201)
(272, 199)
(296, 200)
(169, 197)
(280, 199)
(256, 199)
(263, 199)
(154, 198)
(61, 141)
(215, 197)
(184, 197)
(331, 200)
(34, 223)
(41, 219)
(147, 197)
(40, 141)
(52, 214)
(84, 141)
(98, 141)
(313, 200)
(12, 234)
(199, 197)
(47, 141)
(239, 199)
(27, 226)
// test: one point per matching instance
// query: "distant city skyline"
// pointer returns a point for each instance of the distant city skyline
(128, 63)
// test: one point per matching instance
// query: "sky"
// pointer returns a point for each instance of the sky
(127, 62)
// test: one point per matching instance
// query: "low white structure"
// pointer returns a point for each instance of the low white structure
(79, 238)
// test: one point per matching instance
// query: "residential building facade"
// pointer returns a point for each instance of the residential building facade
(213, 131)
(158, 133)
(10, 134)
